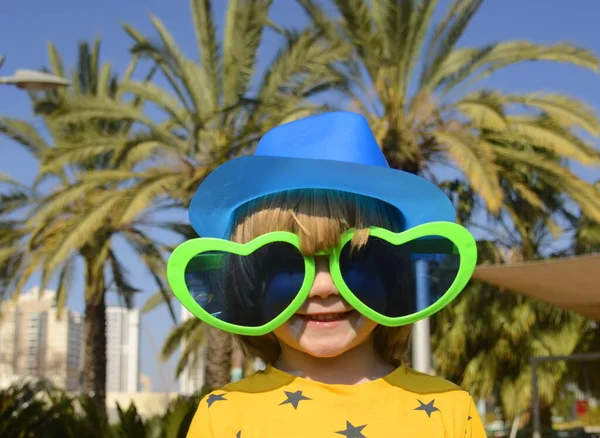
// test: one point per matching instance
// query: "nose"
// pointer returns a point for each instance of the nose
(323, 285)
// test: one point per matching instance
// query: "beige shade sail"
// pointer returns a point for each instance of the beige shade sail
(571, 283)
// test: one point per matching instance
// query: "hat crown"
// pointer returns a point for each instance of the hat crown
(337, 136)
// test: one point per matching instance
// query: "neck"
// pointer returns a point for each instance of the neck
(359, 365)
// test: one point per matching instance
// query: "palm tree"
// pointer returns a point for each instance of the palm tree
(586, 232)
(79, 219)
(485, 338)
(190, 337)
(483, 341)
(449, 119)
(212, 110)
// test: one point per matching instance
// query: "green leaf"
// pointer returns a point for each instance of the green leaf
(475, 158)
(564, 110)
(484, 109)
(547, 135)
(65, 281)
(23, 133)
(85, 230)
(56, 63)
(206, 37)
(244, 25)
(154, 301)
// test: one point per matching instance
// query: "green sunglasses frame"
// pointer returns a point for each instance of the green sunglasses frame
(185, 252)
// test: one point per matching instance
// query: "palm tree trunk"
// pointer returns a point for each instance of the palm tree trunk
(94, 361)
(546, 419)
(398, 157)
(218, 358)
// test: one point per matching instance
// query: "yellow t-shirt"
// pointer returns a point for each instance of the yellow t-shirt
(272, 403)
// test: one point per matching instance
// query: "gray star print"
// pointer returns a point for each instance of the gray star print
(239, 434)
(214, 398)
(352, 431)
(293, 398)
(428, 408)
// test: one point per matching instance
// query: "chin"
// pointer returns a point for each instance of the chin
(325, 349)
(324, 343)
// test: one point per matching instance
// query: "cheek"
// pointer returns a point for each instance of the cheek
(364, 328)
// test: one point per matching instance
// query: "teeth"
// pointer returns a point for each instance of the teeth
(327, 317)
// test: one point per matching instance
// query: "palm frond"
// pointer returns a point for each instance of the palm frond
(192, 349)
(302, 55)
(446, 36)
(503, 54)
(146, 147)
(150, 254)
(419, 25)
(158, 96)
(56, 203)
(145, 193)
(146, 49)
(476, 160)
(392, 20)
(81, 109)
(65, 282)
(244, 25)
(484, 109)
(23, 133)
(556, 176)
(177, 335)
(360, 29)
(89, 150)
(549, 136)
(154, 301)
(208, 45)
(120, 281)
(106, 82)
(84, 229)
(566, 111)
(56, 62)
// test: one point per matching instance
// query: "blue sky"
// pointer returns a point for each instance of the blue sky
(27, 26)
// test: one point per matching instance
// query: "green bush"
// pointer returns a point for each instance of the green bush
(34, 410)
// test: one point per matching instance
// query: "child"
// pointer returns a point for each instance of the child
(311, 253)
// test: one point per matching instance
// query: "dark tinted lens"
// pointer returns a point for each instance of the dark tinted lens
(399, 280)
(246, 290)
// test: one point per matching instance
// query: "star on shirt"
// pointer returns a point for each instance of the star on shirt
(352, 431)
(469, 418)
(214, 398)
(239, 434)
(428, 408)
(294, 398)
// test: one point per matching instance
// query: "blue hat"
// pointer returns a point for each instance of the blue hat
(335, 151)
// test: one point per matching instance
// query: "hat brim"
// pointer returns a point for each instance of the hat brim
(247, 178)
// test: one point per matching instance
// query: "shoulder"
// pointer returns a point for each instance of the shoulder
(260, 382)
(437, 396)
(424, 386)
(237, 403)
(415, 381)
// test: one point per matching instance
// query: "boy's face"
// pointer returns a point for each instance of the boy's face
(326, 325)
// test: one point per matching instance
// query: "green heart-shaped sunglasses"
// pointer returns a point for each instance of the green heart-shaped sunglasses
(253, 288)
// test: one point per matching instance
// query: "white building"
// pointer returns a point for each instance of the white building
(191, 381)
(34, 343)
(122, 349)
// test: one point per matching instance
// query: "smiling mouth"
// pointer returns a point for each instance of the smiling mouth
(326, 317)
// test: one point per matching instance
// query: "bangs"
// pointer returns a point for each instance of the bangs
(318, 216)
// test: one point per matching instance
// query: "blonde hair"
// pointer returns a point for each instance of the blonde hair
(319, 217)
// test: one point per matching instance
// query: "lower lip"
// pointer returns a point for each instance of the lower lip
(326, 324)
